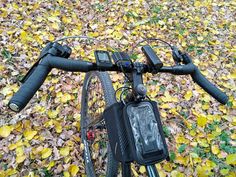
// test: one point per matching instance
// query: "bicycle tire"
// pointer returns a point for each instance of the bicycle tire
(109, 96)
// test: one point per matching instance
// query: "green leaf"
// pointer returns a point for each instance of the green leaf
(157, 9)
(184, 114)
(182, 148)
(191, 48)
(6, 54)
(199, 151)
(229, 104)
(162, 88)
(228, 148)
(134, 57)
(172, 156)
(199, 52)
(46, 173)
(166, 131)
(154, 20)
(132, 14)
(224, 137)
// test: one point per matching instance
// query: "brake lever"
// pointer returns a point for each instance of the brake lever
(54, 49)
(43, 53)
(176, 54)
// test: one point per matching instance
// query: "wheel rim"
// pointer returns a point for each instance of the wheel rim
(93, 127)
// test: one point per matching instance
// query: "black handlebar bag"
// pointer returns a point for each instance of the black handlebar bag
(135, 132)
(144, 130)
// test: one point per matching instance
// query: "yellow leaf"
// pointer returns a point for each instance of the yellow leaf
(66, 19)
(200, 38)
(184, 44)
(165, 106)
(175, 173)
(134, 171)
(215, 149)
(19, 151)
(53, 19)
(73, 169)
(67, 159)
(23, 35)
(210, 164)
(46, 152)
(53, 114)
(66, 174)
(65, 151)
(109, 31)
(10, 172)
(66, 97)
(29, 134)
(50, 165)
(181, 139)
(2, 67)
(205, 106)
(188, 95)
(14, 146)
(142, 169)
(96, 146)
(224, 171)
(168, 98)
(81, 147)
(203, 142)
(233, 136)
(51, 37)
(5, 131)
(231, 159)
(77, 125)
(197, 3)
(167, 167)
(214, 57)
(55, 26)
(160, 22)
(58, 127)
(223, 109)
(203, 171)
(201, 121)
(20, 159)
(192, 132)
(48, 123)
(182, 160)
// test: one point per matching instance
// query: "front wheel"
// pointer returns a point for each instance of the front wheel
(97, 94)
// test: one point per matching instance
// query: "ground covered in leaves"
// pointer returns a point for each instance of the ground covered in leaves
(44, 139)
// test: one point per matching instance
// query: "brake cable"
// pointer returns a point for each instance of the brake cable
(85, 37)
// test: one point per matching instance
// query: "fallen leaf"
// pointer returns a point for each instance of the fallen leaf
(231, 159)
(201, 121)
(46, 152)
(5, 131)
(29, 134)
(20, 159)
(65, 151)
(73, 169)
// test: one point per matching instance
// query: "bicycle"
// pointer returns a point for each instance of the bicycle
(131, 136)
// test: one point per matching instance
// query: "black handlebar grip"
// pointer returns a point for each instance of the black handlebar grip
(29, 88)
(209, 87)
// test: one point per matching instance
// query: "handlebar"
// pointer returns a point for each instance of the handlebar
(209, 87)
(29, 88)
(44, 66)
